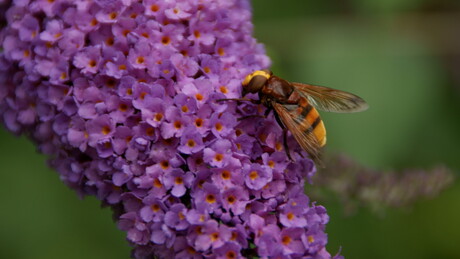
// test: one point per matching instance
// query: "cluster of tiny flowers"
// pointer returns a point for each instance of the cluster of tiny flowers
(122, 95)
(358, 186)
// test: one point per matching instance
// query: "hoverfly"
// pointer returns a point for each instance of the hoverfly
(295, 105)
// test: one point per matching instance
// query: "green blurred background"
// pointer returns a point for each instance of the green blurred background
(402, 56)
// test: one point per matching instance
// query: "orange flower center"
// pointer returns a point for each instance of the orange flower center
(279, 146)
(165, 40)
(113, 15)
(105, 130)
(238, 132)
(140, 60)
(231, 199)
(157, 183)
(158, 117)
(199, 97)
(110, 41)
(179, 180)
(286, 240)
(191, 143)
(210, 198)
(223, 89)
(199, 122)
(219, 126)
(123, 107)
(154, 8)
(164, 164)
(155, 207)
(219, 157)
(177, 124)
(92, 63)
(253, 175)
(214, 236)
(230, 254)
(226, 175)
(93, 22)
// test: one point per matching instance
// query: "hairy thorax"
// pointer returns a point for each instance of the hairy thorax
(278, 90)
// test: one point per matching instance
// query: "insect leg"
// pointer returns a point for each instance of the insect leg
(267, 111)
(286, 147)
(239, 100)
(285, 130)
(251, 116)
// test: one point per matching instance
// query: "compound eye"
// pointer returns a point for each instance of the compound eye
(256, 83)
(247, 79)
(267, 73)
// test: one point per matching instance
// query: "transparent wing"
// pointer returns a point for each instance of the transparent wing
(331, 100)
(299, 130)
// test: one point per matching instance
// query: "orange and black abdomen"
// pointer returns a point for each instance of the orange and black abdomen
(309, 121)
(303, 113)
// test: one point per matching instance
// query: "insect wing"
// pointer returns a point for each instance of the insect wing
(331, 100)
(299, 130)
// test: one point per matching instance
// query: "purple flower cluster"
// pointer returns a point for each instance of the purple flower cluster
(122, 95)
(359, 186)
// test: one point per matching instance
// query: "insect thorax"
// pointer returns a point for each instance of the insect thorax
(278, 89)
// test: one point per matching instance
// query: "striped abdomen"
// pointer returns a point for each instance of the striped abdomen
(309, 121)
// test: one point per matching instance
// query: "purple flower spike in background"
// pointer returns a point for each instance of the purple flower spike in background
(122, 96)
